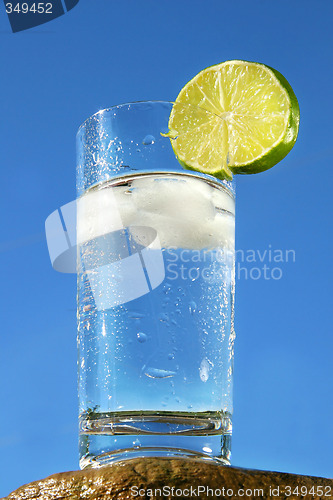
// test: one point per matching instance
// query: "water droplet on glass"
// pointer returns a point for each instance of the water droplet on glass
(136, 315)
(136, 444)
(192, 307)
(149, 139)
(142, 337)
(158, 373)
(164, 317)
(210, 363)
(204, 370)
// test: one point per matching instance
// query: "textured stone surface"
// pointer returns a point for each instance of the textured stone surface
(139, 478)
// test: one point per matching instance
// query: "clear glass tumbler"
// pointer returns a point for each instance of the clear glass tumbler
(155, 293)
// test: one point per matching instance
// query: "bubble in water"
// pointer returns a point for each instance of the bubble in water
(142, 337)
(158, 373)
(171, 356)
(149, 139)
(192, 307)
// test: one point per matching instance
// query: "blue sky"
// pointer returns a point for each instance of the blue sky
(106, 52)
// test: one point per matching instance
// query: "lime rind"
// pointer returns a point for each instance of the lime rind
(284, 144)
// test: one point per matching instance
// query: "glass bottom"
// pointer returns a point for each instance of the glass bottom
(106, 438)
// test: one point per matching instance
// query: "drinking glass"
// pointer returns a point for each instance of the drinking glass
(155, 293)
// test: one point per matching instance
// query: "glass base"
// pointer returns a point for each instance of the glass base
(106, 438)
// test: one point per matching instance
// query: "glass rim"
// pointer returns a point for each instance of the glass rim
(130, 103)
(229, 186)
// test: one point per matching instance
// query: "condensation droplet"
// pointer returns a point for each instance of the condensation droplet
(204, 370)
(142, 337)
(158, 373)
(136, 444)
(163, 317)
(136, 315)
(149, 139)
(192, 307)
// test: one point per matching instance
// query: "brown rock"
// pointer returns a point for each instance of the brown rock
(154, 478)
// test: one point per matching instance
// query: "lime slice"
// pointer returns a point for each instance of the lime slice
(250, 124)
